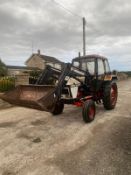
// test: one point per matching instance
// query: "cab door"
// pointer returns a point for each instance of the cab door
(89, 65)
(100, 73)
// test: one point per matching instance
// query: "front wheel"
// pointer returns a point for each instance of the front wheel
(58, 108)
(88, 111)
(110, 96)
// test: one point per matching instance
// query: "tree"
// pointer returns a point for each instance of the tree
(3, 69)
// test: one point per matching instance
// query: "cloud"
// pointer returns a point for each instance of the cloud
(59, 33)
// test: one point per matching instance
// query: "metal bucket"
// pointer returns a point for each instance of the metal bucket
(33, 96)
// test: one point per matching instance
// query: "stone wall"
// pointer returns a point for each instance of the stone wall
(21, 80)
(36, 61)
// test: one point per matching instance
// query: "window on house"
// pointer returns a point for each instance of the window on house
(57, 66)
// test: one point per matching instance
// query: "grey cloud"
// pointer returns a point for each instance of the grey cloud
(58, 33)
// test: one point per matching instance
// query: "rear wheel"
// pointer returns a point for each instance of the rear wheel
(58, 109)
(88, 111)
(110, 96)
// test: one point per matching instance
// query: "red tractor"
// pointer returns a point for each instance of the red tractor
(88, 80)
(101, 82)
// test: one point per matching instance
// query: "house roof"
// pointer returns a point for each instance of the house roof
(46, 58)
(49, 58)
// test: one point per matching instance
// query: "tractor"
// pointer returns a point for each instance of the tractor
(85, 82)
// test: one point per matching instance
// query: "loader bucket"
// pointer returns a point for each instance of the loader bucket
(34, 96)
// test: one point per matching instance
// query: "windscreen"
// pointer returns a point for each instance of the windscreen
(89, 65)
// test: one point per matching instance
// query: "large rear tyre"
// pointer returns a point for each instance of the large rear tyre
(88, 111)
(58, 109)
(110, 96)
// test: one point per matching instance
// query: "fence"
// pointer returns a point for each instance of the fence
(7, 83)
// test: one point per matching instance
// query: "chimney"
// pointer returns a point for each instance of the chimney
(38, 51)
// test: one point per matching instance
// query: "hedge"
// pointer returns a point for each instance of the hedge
(7, 83)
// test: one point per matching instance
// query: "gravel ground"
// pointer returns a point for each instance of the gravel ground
(33, 142)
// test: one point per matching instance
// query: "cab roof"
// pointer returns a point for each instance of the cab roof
(89, 57)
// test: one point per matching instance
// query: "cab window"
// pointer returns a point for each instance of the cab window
(84, 66)
(76, 64)
(89, 65)
(107, 67)
(101, 69)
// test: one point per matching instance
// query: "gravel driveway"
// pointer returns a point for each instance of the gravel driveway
(33, 142)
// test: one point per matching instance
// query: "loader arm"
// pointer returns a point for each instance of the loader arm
(42, 80)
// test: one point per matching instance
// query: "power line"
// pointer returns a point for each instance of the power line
(69, 11)
(84, 24)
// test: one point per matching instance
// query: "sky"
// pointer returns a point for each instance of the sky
(48, 25)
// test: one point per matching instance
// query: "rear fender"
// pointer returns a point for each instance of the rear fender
(110, 78)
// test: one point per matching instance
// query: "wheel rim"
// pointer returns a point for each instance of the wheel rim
(91, 112)
(113, 95)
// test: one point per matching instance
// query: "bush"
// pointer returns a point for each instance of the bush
(35, 73)
(32, 80)
(3, 69)
(7, 83)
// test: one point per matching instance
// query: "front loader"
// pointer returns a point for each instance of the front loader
(83, 83)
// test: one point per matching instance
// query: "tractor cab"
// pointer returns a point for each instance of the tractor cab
(95, 65)
(97, 68)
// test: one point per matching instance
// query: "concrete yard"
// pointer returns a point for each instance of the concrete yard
(33, 142)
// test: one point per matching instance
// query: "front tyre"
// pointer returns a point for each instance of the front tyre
(88, 111)
(110, 96)
(58, 108)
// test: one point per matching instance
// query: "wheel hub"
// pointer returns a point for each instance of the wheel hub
(113, 95)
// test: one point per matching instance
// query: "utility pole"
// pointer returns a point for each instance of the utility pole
(84, 36)
(32, 46)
